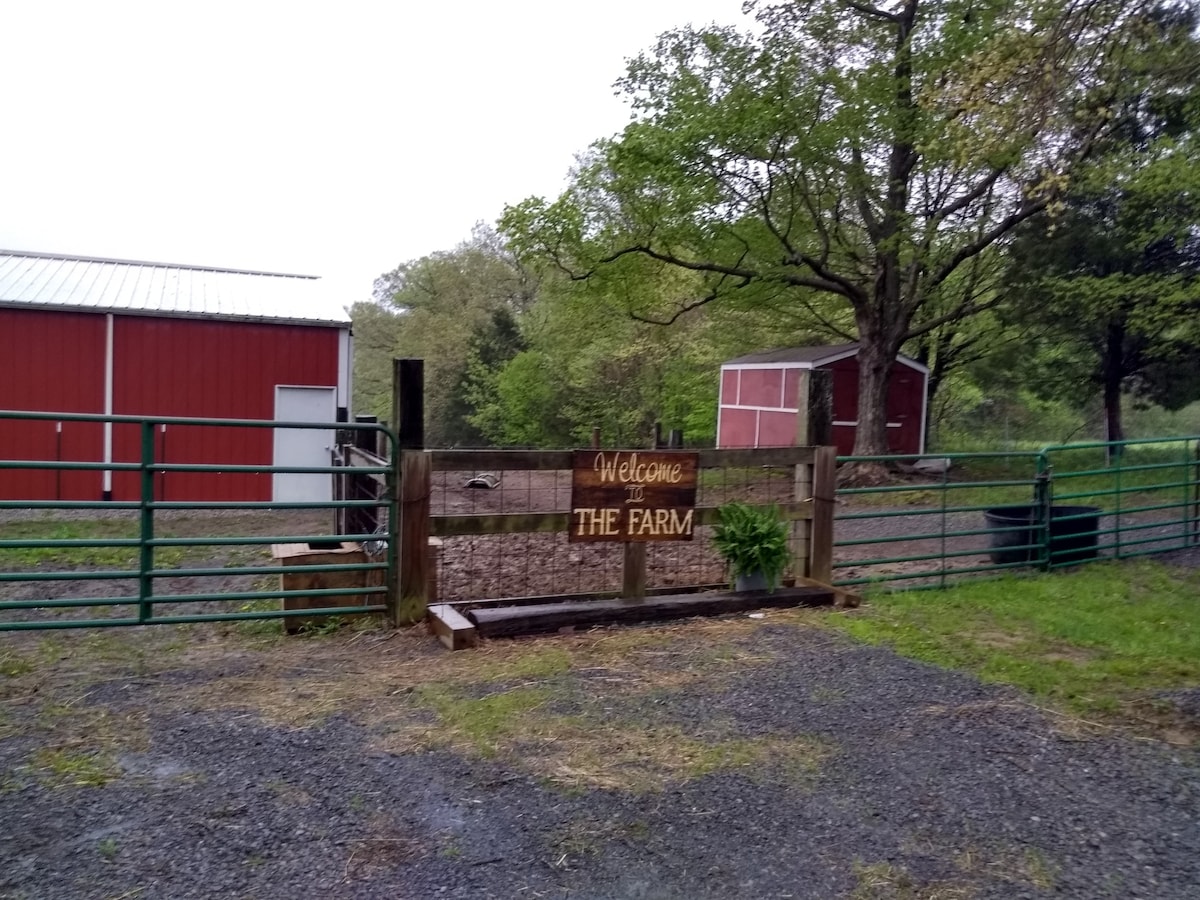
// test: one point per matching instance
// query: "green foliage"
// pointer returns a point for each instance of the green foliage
(1111, 285)
(753, 540)
(856, 171)
(453, 309)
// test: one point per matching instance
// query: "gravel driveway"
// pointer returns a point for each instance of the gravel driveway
(246, 769)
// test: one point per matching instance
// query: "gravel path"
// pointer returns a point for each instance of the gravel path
(930, 785)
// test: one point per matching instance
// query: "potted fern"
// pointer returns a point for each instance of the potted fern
(753, 540)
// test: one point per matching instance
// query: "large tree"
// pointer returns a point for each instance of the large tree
(844, 151)
(1114, 282)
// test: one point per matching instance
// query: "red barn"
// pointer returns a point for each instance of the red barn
(83, 335)
(760, 393)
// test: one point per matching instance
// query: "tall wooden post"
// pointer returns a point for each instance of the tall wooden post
(408, 596)
(813, 538)
(824, 484)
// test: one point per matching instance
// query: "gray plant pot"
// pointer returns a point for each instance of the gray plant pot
(755, 581)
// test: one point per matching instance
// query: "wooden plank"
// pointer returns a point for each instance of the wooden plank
(820, 553)
(768, 456)
(632, 495)
(842, 598)
(802, 528)
(541, 460)
(513, 620)
(534, 600)
(528, 523)
(413, 548)
(450, 627)
(356, 456)
(499, 460)
(301, 556)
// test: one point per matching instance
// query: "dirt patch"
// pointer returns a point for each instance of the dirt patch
(682, 761)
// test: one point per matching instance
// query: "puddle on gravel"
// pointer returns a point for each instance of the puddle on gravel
(144, 765)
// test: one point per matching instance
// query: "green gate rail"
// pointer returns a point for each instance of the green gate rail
(24, 558)
(942, 525)
(1149, 492)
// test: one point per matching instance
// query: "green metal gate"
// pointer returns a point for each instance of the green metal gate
(98, 563)
(1117, 500)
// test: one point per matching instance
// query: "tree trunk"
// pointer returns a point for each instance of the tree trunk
(1114, 372)
(876, 353)
(874, 378)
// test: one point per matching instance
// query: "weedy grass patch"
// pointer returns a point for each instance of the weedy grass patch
(1102, 640)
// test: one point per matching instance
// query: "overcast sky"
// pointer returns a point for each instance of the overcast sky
(334, 139)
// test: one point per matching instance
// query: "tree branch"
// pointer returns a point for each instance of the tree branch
(988, 238)
(871, 11)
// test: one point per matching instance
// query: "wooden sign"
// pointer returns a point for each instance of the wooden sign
(633, 495)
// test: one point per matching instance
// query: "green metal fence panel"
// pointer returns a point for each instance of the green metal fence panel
(1066, 504)
(144, 557)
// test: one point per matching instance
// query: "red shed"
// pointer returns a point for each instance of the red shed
(760, 392)
(85, 335)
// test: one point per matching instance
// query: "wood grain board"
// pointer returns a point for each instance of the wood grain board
(551, 617)
(633, 496)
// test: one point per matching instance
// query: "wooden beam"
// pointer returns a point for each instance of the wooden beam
(514, 620)
(534, 600)
(413, 547)
(408, 402)
(820, 553)
(356, 456)
(451, 627)
(842, 598)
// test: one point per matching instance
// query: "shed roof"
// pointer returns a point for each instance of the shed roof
(808, 357)
(52, 281)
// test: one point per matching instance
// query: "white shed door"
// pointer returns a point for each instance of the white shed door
(303, 446)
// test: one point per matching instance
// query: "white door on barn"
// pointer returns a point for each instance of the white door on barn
(303, 446)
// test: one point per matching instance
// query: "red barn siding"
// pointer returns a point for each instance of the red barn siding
(54, 361)
(210, 369)
(51, 362)
(738, 428)
(776, 429)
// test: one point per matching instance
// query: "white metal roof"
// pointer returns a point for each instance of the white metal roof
(51, 281)
(807, 358)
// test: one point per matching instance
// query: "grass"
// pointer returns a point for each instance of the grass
(884, 881)
(59, 767)
(17, 558)
(1099, 641)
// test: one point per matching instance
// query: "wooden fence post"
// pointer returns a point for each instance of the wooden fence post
(824, 484)
(814, 428)
(408, 596)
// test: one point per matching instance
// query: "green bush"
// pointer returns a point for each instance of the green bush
(753, 540)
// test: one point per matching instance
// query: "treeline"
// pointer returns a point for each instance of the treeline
(1008, 192)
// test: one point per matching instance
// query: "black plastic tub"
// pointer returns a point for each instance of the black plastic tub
(1018, 531)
